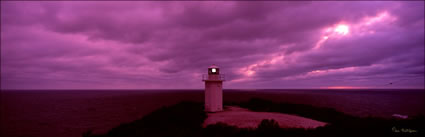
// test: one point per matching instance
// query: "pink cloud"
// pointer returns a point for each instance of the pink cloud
(170, 44)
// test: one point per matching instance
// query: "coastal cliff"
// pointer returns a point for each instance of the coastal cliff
(186, 119)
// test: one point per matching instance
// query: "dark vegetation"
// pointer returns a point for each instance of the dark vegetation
(185, 120)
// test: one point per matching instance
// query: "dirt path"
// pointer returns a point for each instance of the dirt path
(244, 118)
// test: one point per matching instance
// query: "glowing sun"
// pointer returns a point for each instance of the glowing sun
(342, 29)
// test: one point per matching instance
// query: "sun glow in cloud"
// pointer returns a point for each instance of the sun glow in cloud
(342, 29)
(337, 31)
(365, 26)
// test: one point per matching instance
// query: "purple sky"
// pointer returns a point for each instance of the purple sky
(132, 45)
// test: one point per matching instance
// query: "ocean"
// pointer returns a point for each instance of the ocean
(69, 113)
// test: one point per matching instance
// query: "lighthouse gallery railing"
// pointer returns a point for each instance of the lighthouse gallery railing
(219, 77)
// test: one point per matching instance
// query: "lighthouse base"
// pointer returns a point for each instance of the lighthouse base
(213, 96)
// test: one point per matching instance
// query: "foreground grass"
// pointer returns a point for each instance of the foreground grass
(185, 120)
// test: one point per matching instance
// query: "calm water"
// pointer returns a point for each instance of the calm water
(68, 113)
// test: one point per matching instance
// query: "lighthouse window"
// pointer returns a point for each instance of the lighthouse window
(213, 70)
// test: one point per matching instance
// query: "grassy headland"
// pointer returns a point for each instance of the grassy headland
(185, 120)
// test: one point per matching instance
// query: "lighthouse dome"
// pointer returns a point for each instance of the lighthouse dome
(213, 66)
(213, 69)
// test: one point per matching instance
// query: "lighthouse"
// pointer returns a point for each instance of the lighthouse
(213, 89)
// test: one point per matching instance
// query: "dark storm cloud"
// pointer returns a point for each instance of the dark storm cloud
(170, 44)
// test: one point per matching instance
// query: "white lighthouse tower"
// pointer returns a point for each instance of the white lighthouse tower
(213, 89)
